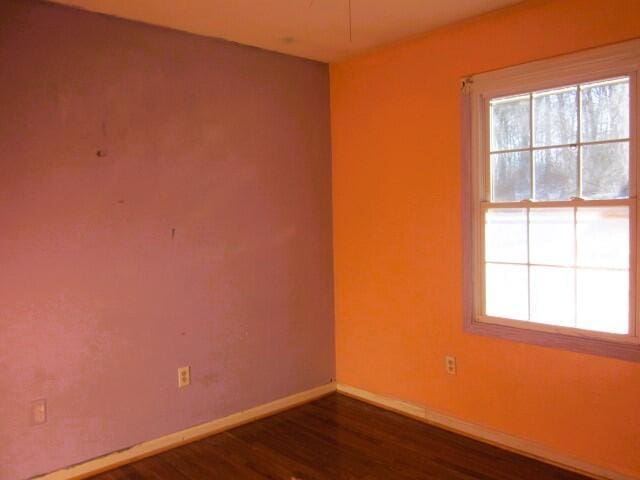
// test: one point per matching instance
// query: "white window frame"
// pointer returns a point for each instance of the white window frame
(618, 60)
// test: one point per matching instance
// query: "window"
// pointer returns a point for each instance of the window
(551, 223)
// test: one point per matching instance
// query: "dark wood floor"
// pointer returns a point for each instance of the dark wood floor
(334, 438)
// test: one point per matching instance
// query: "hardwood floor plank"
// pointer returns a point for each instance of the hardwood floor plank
(338, 438)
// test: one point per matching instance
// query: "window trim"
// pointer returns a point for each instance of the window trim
(622, 59)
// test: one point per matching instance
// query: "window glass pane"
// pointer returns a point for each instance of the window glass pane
(605, 110)
(555, 117)
(558, 266)
(551, 236)
(603, 300)
(510, 176)
(506, 291)
(506, 235)
(552, 296)
(556, 173)
(510, 123)
(603, 237)
(605, 170)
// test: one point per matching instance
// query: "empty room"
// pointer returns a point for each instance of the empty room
(319, 239)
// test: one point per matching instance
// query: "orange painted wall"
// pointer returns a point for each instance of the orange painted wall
(397, 240)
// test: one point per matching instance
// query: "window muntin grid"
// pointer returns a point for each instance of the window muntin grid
(560, 151)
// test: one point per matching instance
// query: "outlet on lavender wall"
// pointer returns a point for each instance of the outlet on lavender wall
(38, 412)
(165, 200)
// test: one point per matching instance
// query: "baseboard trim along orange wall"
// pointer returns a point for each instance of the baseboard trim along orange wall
(499, 439)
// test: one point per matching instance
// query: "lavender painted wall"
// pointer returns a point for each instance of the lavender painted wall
(201, 234)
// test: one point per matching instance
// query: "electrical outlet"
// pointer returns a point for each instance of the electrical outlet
(38, 412)
(450, 363)
(184, 377)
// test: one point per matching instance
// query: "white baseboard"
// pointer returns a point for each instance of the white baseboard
(503, 440)
(499, 439)
(155, 446)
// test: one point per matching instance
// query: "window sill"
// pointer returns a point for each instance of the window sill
(595, 346)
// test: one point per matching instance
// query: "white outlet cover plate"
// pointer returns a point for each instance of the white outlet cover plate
(184, 377)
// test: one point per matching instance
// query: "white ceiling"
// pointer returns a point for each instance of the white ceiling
(317, 29)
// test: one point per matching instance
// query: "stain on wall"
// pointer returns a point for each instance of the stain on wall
(165, 200)
(398, 252)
